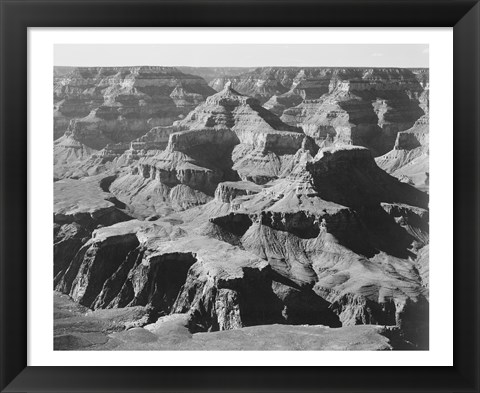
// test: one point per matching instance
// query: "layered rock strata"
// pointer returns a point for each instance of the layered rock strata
(155, 264)
(360, 106)
(117, 104)
(365, 107)
(228, 138)
(244, 221)
(328, 225)
(314, 246)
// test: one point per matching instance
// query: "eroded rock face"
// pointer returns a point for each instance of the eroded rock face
(409, 158)
(359, 106)
(336, 171)
(329, 228)
(310, 83)
(77, 328)
(314, 246)
(226, 192)
(158, 265)
(80, 206)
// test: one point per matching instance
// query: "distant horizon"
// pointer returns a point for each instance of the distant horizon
(246, 67)
(243, 55)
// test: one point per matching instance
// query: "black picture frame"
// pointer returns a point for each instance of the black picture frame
(18, 15)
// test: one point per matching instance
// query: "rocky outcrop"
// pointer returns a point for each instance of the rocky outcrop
(228, 191)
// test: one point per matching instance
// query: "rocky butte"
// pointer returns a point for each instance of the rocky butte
(291, 203)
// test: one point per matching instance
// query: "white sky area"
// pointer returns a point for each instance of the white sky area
(243, 55)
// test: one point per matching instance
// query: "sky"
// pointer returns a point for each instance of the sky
(242, 55)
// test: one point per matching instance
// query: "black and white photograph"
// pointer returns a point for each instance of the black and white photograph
(280, 203)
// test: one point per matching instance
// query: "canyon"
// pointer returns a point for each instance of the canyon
(194, 207)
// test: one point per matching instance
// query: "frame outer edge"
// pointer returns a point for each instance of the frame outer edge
(13, 196)
(15, 25)
(467, 197)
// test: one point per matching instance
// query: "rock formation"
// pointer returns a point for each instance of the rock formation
(78, 328)
(231, 219)
(80, 206)
(408, 160)
(228, 138)
(359, 106)
(96, 107)
(266, 82)
(366, 107)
